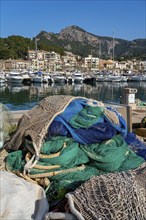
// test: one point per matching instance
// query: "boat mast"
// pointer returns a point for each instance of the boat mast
(99, 54)
(113, 55)
(1, 127)
(36, 45)
(91, 62)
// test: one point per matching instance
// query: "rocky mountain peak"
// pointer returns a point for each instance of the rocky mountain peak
(78, 41)
(75, 33)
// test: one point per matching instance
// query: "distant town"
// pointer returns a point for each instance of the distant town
(40, 60)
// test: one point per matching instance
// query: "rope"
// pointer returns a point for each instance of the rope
(41, 167)
(54, 173)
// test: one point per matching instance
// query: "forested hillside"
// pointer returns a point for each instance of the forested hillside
(76, 40)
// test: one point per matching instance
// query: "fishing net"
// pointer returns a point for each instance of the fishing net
(87, 117)
(111, 155)
(62, 160)
(37, 120)
(67, 164)
(115, 196)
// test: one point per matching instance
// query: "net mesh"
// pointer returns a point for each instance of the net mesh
(118, 196)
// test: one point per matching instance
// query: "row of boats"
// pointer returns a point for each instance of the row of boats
(76, 77)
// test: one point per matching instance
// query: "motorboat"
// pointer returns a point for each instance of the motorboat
(58, 78)
(124, 78)
(46, 78)
(77, 77)
(112, 78)
(89, 79)
(100, 78)
(36, 77)
(2, 78)
(135, 78)
(144, 77)
(15, 77)
(26, 77)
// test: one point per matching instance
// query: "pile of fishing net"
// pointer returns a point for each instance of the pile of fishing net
(66, 141)
(118, 196)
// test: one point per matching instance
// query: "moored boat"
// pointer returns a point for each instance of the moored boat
(58, 78)
(15, 77)
(77, 77)
(2, 78)
(135, 78)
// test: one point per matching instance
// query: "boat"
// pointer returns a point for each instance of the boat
(89, 79)
(46, 78)
(36, 77)
(124, 78)
(58, 78)
(112, 78)
(100, 78)
(2, 78)
(26, 77)
(77, 77)
(14, 77)
(135, 78)
(144, 77)
(69, 79)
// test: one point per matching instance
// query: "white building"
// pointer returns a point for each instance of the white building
(91, 63)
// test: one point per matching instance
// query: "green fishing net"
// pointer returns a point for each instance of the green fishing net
(109, 155)
(88, 116)
(95, 159)
(54, 145)
(63, 183)
(70, 156)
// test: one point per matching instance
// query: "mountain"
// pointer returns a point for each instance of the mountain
(83, 43)
(76, 40)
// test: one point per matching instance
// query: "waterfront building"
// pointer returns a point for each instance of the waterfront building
(51, 61)
(16, 65)
(91, 63)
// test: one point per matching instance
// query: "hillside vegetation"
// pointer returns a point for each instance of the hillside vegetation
(76, 40)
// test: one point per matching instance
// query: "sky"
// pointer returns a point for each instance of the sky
(126, 19)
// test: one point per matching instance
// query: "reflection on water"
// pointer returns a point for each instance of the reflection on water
(25, 97)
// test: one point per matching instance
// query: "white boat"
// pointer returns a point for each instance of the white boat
(36, 77)
(124, 78)
(100, 78)
(46, 78)
(112, 78)
(69, 79)
(15, 77)
(58, 78)
(77, 77)
(26, 77)
(144, 77)
(2, 78)
(135, 78)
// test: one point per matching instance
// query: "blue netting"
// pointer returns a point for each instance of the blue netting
(136, 144)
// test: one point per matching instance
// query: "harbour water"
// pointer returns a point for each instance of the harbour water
(24, 97)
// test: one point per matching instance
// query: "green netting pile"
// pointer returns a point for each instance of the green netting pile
(76, 163)
(87, 117)
(66, 161)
